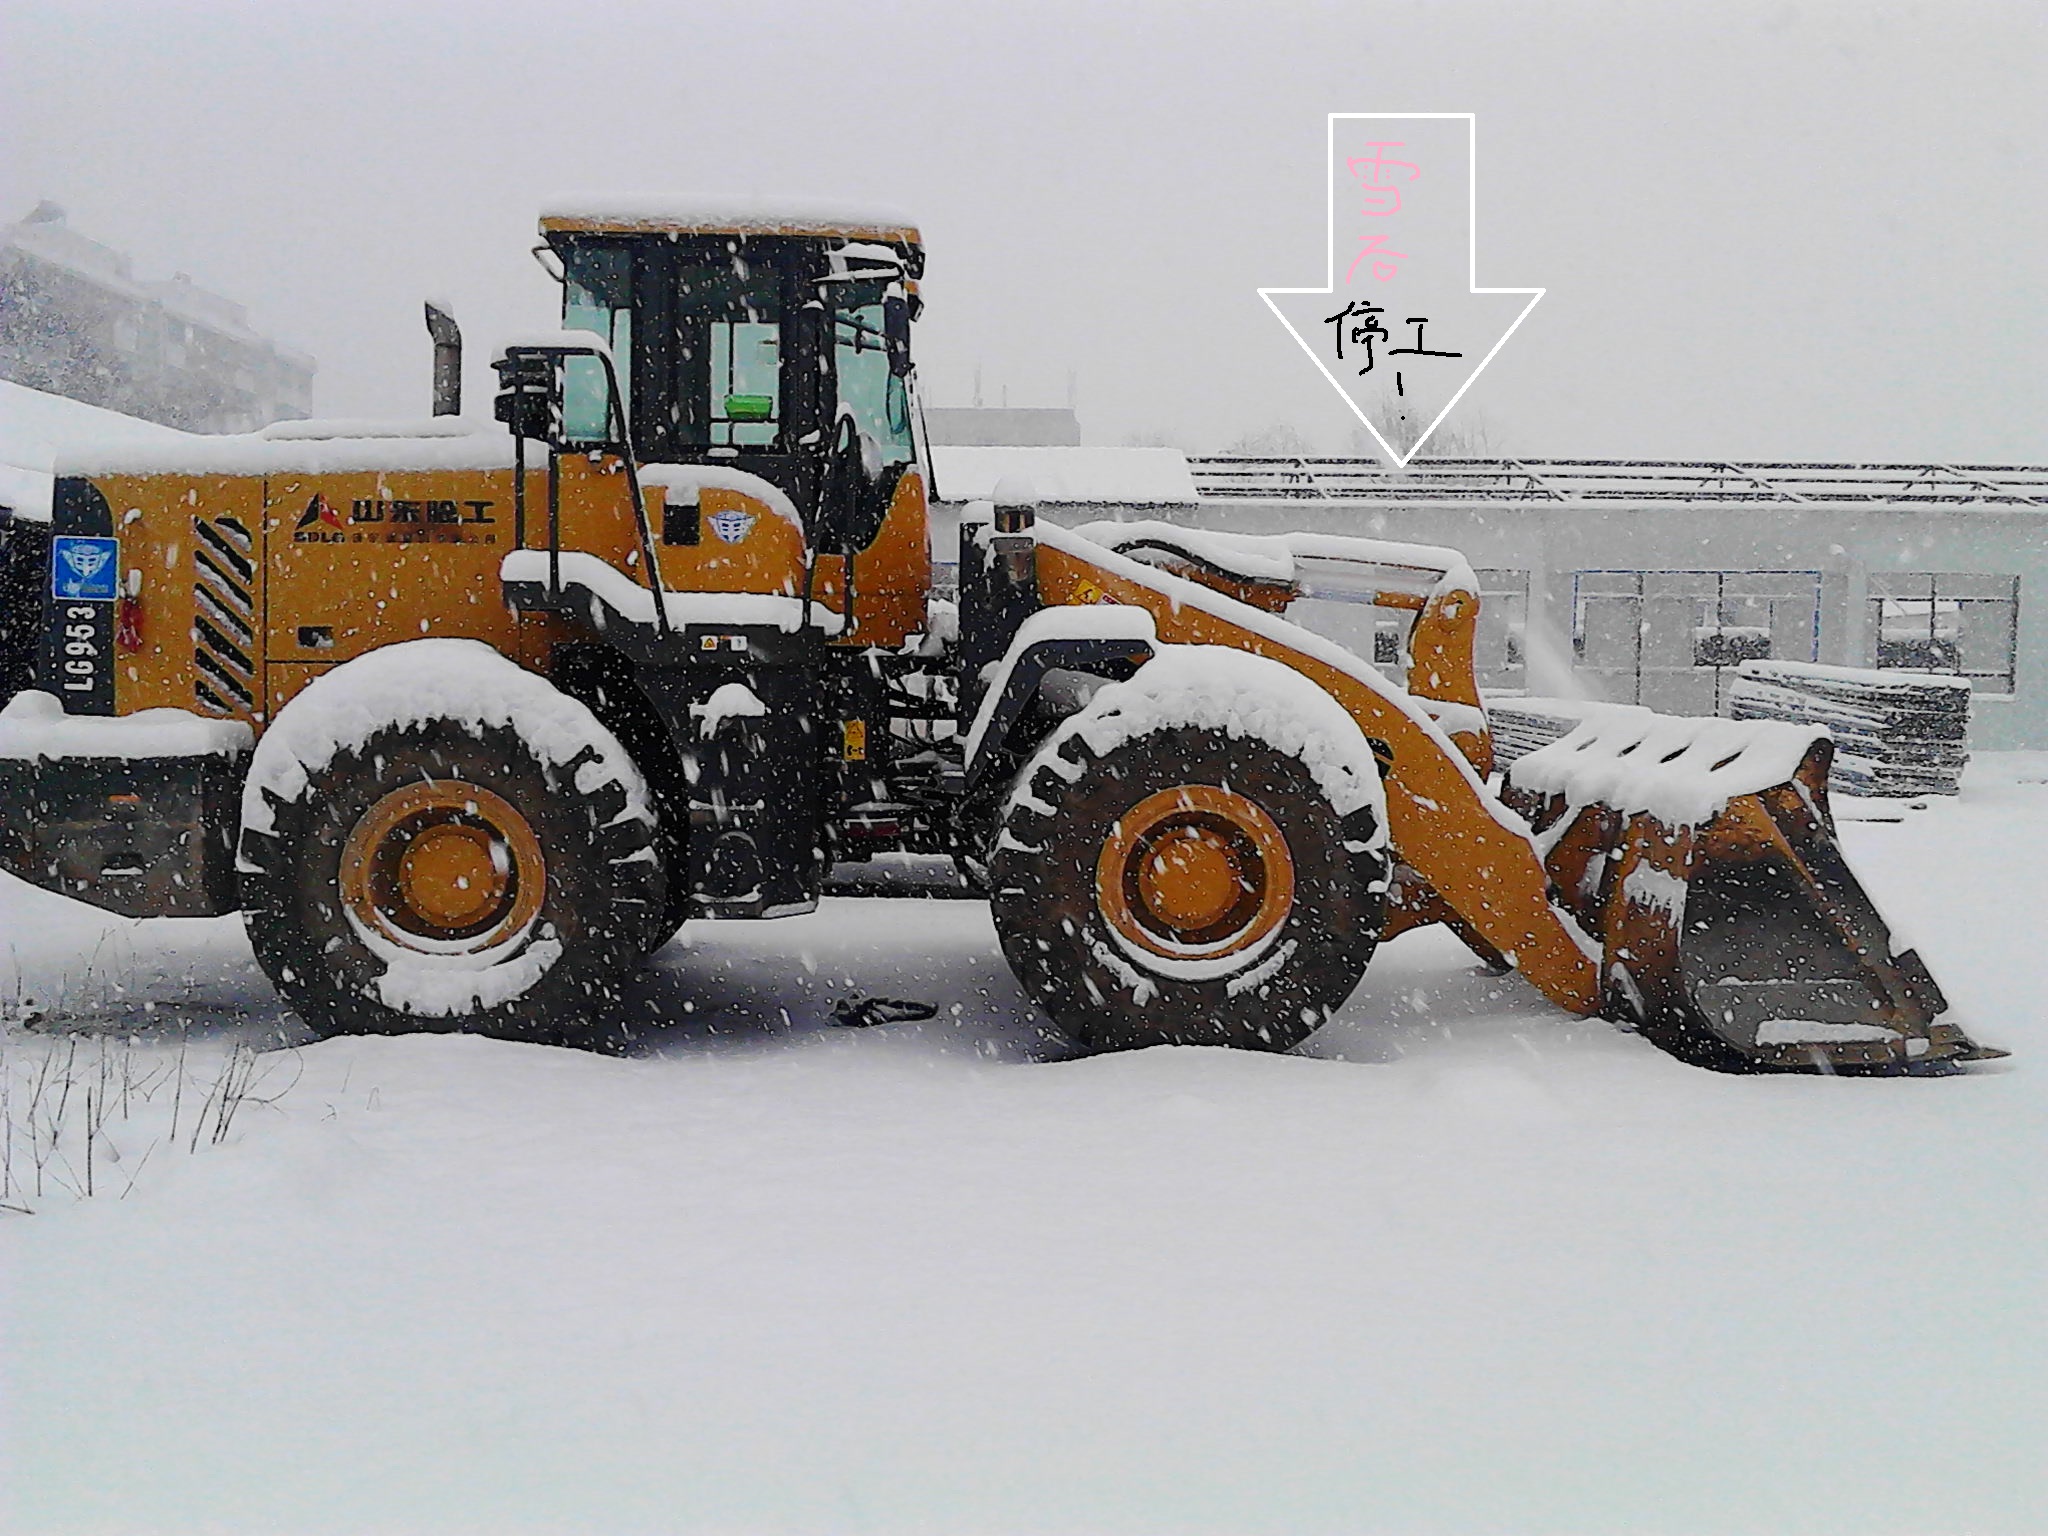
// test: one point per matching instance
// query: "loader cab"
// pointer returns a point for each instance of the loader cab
(778, 347)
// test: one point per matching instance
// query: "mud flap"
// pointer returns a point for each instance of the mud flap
(139, 836)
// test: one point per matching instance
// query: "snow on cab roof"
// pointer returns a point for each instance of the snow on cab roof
(727, 216)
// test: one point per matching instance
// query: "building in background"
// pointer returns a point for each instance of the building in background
(1651, 582)
(76, 321)
(1070, 485)
(1642, 583)
(978, 426)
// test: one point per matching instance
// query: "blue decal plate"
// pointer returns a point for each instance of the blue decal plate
(85, 570)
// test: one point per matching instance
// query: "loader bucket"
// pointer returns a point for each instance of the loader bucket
(1701, 856)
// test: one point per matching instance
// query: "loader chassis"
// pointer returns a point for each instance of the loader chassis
(707, 525)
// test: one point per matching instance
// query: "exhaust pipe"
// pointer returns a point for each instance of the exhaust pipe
(447, 360)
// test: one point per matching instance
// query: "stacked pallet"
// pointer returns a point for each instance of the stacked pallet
(1896, 733)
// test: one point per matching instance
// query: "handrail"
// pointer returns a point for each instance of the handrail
(620, 442)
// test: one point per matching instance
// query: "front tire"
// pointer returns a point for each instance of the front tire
(1187, 887)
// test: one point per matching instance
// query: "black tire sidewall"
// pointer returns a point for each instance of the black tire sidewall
(596, 903)
(1055, 937)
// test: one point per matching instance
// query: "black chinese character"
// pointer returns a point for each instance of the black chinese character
(1358, 323)
(1418, 350)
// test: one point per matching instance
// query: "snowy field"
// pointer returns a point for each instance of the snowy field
(1461, 1265)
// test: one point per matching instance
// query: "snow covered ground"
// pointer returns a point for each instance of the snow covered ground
(1461, 1265)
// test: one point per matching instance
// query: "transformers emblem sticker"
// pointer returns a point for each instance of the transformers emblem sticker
(85, 570)
(731, 526)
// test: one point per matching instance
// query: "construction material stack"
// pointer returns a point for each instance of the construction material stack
(1521, 726)
(1897, 734)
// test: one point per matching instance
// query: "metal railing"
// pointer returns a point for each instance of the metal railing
(1592, 482)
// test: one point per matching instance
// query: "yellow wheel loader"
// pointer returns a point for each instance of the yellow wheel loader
(467, 719)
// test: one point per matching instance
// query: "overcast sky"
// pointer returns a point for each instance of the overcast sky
(1768, 231)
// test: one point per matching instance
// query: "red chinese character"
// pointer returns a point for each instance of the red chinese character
(1373, 245)
(1370, 171)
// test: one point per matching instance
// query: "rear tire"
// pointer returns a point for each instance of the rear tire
(443, 875)
(1188, 887)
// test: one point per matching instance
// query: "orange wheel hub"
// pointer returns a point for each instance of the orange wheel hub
(447, 862)
(1195, 872)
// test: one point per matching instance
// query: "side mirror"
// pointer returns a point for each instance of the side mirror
(565, 394)
(529, 394)
(896, 334)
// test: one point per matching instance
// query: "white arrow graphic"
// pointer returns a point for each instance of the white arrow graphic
(1401, 326)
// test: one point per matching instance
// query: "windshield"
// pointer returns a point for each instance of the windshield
(699, 336)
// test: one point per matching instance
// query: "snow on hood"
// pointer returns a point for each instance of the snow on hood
(329, 429)
(38, 429)
(311, 448)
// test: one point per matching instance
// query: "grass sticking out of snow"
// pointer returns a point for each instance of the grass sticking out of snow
(82, 1114)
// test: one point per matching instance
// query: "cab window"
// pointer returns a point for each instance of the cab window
(728, 357)
(597, 296)
(874, 394)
